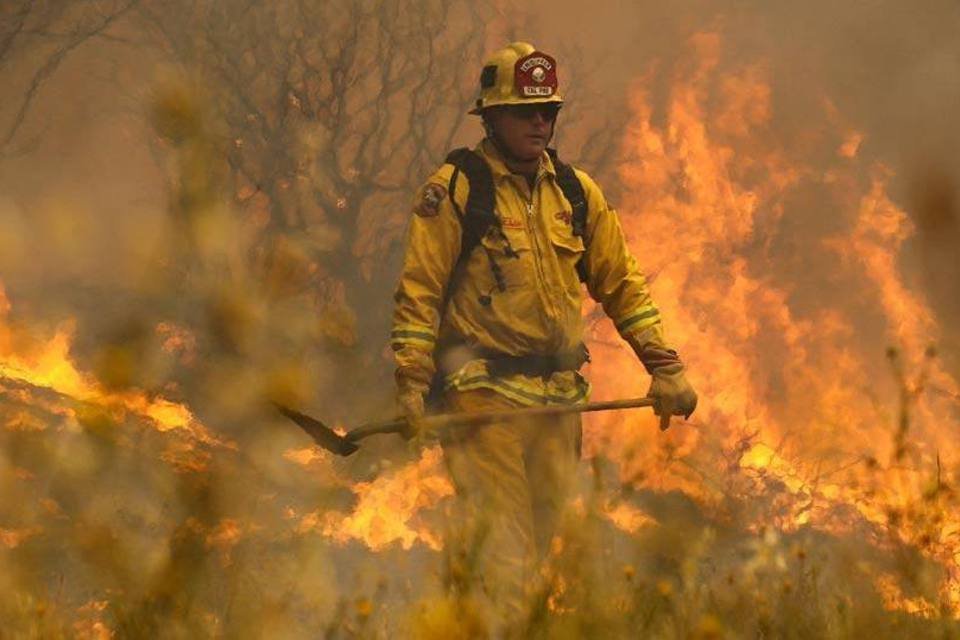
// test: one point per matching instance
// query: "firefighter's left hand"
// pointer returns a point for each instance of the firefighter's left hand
(673, 393)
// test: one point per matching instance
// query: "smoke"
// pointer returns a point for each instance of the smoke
(891, 71)
(120, 232)
(886, 72)
(932, 196)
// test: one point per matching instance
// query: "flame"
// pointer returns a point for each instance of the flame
(851, 145)
(555, 599)
(627, 517)
(305, 456)
(787, 357)
(13, 538)
(47, 364)
(388, 507)
(225, 536)
(90, 626)
(894, 598)
(179, 341)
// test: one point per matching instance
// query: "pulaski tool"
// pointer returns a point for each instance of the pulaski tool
(346, 444)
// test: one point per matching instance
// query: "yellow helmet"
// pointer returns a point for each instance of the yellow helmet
(518, 74)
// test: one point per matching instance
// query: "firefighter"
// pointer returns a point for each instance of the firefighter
(488, 317)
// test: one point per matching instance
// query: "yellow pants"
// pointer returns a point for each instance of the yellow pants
(513, 478)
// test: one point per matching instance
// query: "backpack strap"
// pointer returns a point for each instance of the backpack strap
(573, 191)
(478, 215)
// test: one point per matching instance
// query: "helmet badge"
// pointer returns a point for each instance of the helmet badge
(535, 75)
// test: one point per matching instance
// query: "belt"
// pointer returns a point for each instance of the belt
(500, 365)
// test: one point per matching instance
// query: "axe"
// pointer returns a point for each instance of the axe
(346, 444)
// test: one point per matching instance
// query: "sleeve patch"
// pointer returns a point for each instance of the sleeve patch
(428, 204)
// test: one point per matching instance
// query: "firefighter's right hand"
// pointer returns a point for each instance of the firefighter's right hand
(410, 402)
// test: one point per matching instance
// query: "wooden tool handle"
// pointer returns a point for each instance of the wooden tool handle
(449, 419)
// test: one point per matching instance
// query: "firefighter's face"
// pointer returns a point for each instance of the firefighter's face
(524, 129)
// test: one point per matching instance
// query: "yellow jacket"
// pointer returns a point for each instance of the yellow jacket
(539, 312)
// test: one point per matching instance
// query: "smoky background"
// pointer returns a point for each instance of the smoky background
(210, 199)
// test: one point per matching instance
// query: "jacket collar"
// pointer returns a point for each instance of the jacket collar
(492, 155)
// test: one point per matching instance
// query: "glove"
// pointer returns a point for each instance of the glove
(410, 402)
(413, 375)
(674, 395)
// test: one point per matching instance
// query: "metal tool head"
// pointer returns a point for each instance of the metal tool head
(321, 433)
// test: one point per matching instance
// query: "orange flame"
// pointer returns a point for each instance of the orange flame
(627, 517)
(47, 364)
(388, 507)
(792, 407)
(13, 538)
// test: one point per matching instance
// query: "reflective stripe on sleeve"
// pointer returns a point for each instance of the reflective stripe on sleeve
(640, 319)
(407, 334)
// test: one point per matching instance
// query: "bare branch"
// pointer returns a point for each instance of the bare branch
(52, 63)
(13, 27)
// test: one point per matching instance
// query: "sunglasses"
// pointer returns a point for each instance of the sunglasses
(547, 110)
